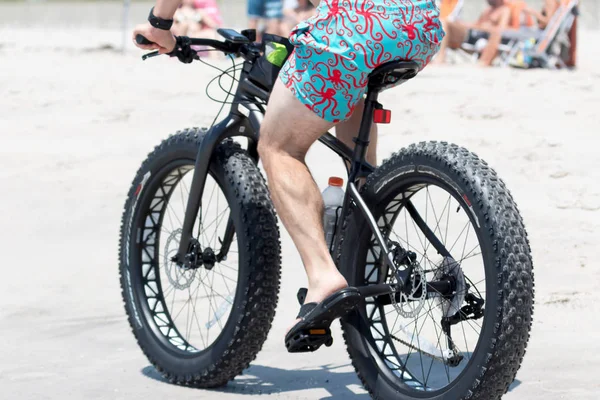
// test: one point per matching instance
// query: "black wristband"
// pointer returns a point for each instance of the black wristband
(159, 23)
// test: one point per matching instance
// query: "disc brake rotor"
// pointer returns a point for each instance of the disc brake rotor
(411, 303)
(179, 277)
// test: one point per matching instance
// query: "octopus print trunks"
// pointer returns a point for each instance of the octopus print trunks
(336, 49)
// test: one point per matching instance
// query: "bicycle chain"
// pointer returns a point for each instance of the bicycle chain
(410, 346)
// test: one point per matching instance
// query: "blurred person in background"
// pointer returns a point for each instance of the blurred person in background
(294, 12)
(490, 25)
(270, 11)
(198, 18)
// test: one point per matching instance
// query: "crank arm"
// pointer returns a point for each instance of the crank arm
(379, 290)
(383, 291)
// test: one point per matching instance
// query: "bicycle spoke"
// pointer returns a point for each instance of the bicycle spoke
(224, 279)
(197, 321)
(465, 243)
(214, 235)
(228, 266)
(464, 336)
(182, 308)
(183, 207)
(447, 220)
(424, 331)
(211, 308)
(437, 221)
(439, 335)
(209, 200)
(419, 345)
(217, 227)
(170, 208)
(212, 291)
(213, 221)
(467, 226)
(187, 320)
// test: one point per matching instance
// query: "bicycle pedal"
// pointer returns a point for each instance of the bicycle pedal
(309, 340)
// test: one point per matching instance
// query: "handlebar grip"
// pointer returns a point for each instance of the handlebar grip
(142, 40)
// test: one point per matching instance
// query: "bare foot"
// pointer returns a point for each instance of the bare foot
(325, 286)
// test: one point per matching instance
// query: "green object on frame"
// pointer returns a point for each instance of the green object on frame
(276, 53)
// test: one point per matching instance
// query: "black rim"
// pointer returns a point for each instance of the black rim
(187, 309)
(414, 349)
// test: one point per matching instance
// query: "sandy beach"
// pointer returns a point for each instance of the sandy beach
(77, 117)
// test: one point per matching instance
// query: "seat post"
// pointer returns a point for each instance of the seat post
(362, 140)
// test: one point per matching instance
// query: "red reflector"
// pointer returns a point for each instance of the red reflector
(381, 116)
(466, 200)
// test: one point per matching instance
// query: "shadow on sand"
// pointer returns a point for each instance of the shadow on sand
(339, 380)
(260, 379)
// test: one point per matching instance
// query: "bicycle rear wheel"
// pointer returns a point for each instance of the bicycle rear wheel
(202, 324)
(470, 341)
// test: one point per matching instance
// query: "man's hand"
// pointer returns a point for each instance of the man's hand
(164, 41)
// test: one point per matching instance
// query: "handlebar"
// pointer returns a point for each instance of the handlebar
(226, 47)
(140, 39)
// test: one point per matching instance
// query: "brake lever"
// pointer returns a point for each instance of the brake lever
(152, 54)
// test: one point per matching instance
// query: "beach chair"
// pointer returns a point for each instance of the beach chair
(553, 47)
(530, 47)
(450, 9)
(519, 21)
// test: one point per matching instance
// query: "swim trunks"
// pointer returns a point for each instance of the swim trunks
(336, 49)
(269, 9)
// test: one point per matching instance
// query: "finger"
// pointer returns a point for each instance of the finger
(147, 46)
(137, 32)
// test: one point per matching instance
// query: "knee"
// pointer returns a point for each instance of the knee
(268, 146)
(271, 147)
(265, 149)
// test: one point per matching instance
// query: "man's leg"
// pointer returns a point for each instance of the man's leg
(572, 61)
(274, 15)
(273, 26)
(288, 130)
(455, 36)
(255, 11)
(252, 23)
(347, 130)
(490, 51)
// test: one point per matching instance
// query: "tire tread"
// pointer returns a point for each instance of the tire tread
(505, 227)
(264, 262)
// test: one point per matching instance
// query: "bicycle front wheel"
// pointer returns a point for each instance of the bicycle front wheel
(469, 341)
(200, 324)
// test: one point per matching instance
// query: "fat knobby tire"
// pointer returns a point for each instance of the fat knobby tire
(504, 243)
(258, 236)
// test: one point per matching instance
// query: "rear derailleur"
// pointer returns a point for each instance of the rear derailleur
(472, 310)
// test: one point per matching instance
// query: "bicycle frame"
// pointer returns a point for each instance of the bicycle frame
(244, 120)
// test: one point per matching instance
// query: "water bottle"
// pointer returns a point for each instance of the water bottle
(333, 198)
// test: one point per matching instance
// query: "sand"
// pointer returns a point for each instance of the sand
(77, 118)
